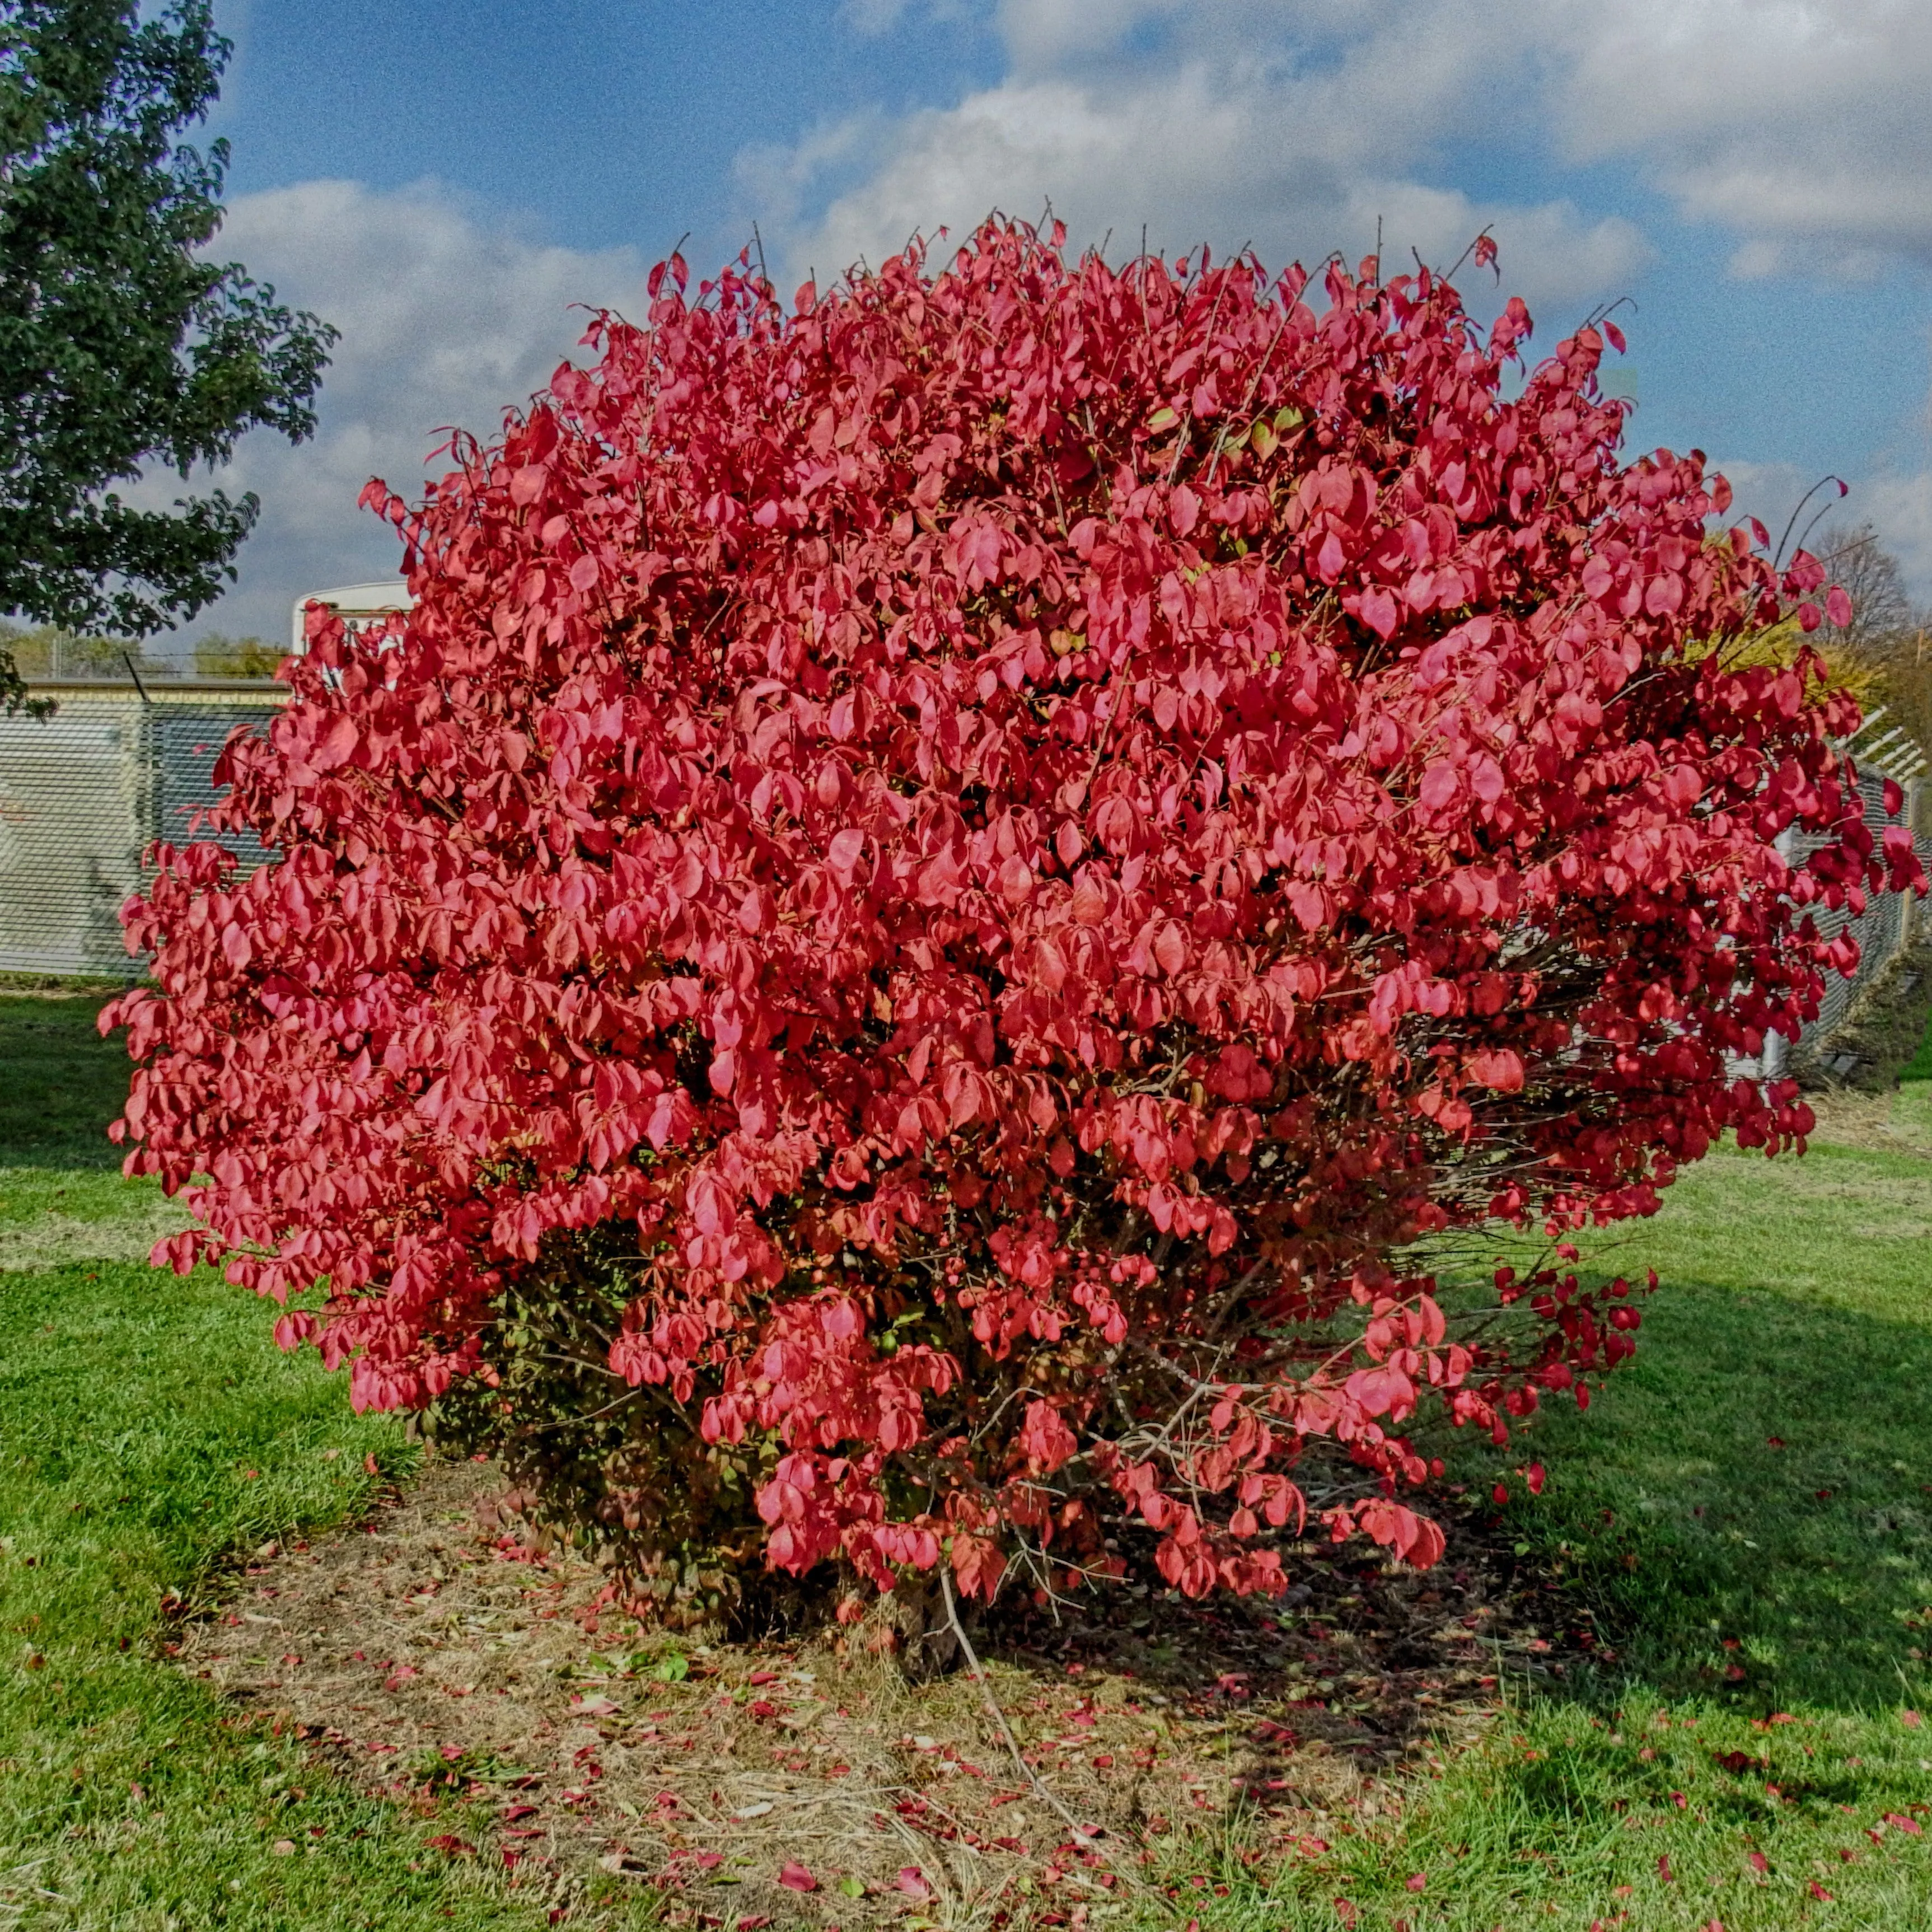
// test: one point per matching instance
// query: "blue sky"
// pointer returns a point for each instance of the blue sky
(444, 183)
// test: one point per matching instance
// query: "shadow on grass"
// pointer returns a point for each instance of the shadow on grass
(61, 1083)
(1748, 1510)
(1747, 1505)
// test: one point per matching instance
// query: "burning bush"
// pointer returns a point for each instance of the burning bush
(947, 896)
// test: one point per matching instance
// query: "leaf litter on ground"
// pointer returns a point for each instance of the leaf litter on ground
(431, 1656)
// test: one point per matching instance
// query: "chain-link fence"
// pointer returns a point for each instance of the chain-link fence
(82, 794)
(1890, 922)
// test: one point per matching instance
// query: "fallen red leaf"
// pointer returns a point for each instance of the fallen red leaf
(911, 1881)
(794, 1877)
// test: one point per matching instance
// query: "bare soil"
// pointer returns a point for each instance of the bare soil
(427, 1655)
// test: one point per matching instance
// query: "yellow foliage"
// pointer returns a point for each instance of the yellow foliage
(1780, 644)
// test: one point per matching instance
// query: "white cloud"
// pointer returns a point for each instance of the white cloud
(1896, 503)
(1799, 126)
(1900, 508)
(1294, 129)
(1190, 162)
(446, 321)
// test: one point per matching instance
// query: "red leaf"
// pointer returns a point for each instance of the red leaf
(795, 1878)
(1378, 610)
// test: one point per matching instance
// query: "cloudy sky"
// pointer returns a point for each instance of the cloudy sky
(445, 183)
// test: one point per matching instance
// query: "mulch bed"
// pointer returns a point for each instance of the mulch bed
(428, 1655)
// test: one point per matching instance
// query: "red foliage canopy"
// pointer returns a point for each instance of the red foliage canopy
(1043, 835)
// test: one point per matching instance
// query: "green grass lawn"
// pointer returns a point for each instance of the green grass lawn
(149, 1433)
(1920, 1069)
(1747, 1510)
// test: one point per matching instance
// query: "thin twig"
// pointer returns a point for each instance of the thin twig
(1080, 1833)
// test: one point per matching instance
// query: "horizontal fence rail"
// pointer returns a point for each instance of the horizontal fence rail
(83, 794)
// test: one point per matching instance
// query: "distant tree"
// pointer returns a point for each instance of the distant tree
(47, 651)
(123, 348)
(218, 656)
(1881, 614)
(1883, 653)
